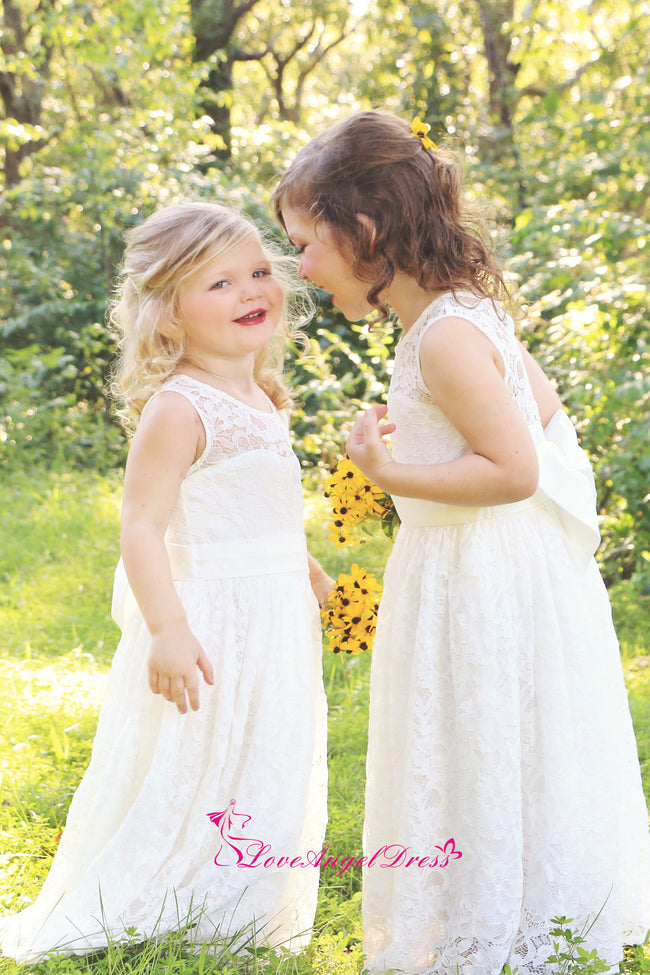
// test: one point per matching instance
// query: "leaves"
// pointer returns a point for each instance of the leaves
(102, 120)
(569, 954)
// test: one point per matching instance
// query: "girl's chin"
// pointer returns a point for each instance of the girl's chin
(352, 314)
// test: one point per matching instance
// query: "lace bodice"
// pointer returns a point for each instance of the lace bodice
(246, 484)
(424, 435)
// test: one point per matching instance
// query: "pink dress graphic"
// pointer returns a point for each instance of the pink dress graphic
(224, 821)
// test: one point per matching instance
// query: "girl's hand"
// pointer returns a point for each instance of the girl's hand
(365, 446)
(175, 657)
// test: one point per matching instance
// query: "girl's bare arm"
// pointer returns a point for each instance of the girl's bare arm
(163, 449)
(464, 374)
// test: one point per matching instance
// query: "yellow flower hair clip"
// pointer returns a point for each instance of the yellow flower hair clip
(420, 130)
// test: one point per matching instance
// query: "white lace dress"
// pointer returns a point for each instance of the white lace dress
(207, 816)
(503, 782)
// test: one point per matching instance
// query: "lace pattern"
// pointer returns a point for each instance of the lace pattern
(488, 318)
(138, 849)
(498, 718)
(425, 434)
(247, 457)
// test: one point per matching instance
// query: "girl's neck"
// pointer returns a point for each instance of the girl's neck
(409, 299)
(239, 383)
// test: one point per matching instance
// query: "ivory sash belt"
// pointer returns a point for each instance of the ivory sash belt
(566, 481)
(415, 513)
(236, 559)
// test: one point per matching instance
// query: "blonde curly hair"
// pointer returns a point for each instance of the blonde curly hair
(160, 254)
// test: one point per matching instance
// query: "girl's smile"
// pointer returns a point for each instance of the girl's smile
(232, 305)
(256, 317)
(325, 264)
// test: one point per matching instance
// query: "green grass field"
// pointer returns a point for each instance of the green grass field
(59, 548)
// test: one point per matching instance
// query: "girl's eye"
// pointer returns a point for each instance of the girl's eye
(218, 285)
(262, 273)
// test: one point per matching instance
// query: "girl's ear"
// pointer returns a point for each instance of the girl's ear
(170, 330)
(369, 224)
(171, 325)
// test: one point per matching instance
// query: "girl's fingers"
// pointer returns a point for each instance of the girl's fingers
(177, 694)
(380, 410)
(371, 429)
(205, 667)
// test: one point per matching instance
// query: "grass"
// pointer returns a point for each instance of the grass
(59, 547)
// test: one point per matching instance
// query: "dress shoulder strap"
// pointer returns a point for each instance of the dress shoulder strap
(497, 325)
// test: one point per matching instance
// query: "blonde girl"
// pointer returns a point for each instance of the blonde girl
(210, 742)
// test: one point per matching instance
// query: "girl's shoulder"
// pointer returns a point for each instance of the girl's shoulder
(169, 425)
(485, 314)
(180, 402)
(186, 398)
(445, 343)
(170, 403)
(229, 425)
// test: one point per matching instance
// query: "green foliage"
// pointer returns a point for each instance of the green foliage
(59, 549)
(588, 328)
(569, 953)
(117, 130)
(344, 371)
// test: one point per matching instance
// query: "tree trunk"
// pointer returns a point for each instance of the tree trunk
(214, 23)
(21, 94)
(501, 147)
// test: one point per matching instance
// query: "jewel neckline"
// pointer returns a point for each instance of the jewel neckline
(235, 399)
(424, 314)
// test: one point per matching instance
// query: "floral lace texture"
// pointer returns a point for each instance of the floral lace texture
(498, 718)
(238, 488)
(138, 850)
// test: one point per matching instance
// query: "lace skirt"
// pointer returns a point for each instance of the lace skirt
(181, 820)
(503, 782)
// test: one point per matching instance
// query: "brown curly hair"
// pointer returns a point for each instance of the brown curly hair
(372, 164)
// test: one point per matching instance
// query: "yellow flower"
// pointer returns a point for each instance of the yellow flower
(355, 500)
(420, 130)
(350, 619)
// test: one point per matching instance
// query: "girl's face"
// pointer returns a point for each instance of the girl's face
(232, 305)
(325, 264)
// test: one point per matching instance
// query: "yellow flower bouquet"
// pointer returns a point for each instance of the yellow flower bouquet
(356, 501)
(350, 617)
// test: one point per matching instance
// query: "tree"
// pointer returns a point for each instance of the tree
(288, 45)
(214, 24)
(23, 82)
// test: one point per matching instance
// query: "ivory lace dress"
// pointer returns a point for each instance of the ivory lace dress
(177, 815)
(503, 782)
